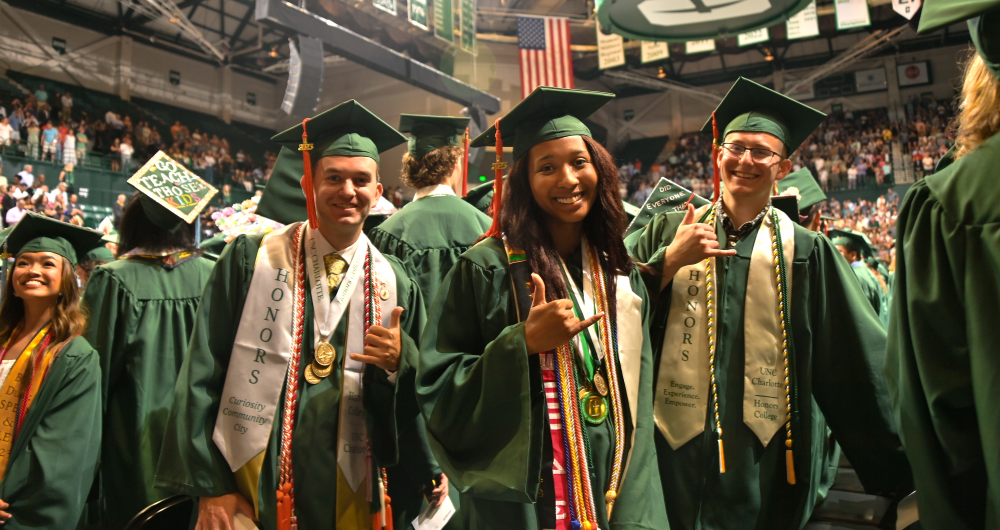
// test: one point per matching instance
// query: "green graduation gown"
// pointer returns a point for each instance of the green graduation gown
(141, 318)
(839, 345)
(54, 457)
(192, 464)
(869, 286)
(482, 396)
(428, 235)
(942, 360)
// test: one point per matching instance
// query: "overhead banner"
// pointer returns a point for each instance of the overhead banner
(870, 80)
(692, 20)
(906, 8)
(753, 37)
(444, 20)
(653, 51)
(913, 74)
(610, 50)
(803, 25)
(418, 13)
(852, 14)
(803, 92)
(699, 46)
(467, 23)
(389, 6)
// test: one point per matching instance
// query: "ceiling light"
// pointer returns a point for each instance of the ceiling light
(661, 74)
(274, 51)
(175, 18)
(767, 55)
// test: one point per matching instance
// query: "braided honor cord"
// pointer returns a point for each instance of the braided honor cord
(286, 485)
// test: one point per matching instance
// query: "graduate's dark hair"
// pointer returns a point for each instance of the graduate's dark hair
(135, 230)
(68, 318)
(523, 222)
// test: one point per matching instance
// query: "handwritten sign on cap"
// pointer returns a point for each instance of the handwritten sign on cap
(173, 186)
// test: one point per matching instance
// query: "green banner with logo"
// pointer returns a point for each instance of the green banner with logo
(389, 6)
(467, 22)
(444, 20)
(418, 13)
(692, 20)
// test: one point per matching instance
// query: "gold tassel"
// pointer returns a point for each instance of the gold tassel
(722, 458)
(790, 464)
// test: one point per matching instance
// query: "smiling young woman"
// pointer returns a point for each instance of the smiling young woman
(50, 430)
(536, 357)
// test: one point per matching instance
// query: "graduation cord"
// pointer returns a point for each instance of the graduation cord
(710, 308)
(781, 279)
(373, 317)
(286, 484)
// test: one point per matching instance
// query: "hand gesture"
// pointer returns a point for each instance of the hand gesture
(551, 324)
(5, 516)
(218, 513)
(382, 346)
(693, 243)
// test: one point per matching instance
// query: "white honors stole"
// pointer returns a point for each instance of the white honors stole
(683, 388)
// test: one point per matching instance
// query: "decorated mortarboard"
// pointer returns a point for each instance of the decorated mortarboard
(171, 194)
(851, 239)
(803, 186)
(666, 196)
(348, 129)
(428, 133)
(37, 233)
(983, 18)
(546, 114)
(752, 107)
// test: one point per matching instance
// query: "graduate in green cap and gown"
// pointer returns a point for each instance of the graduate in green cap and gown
(142, 310)
(516, 383)
(855, 247)
(50, 415)
(93, 258)
(742, 415)
(801, 185)
(296, 402)
(941, 360)
(430, 233)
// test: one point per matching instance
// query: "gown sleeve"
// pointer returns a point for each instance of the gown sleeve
(848, 343)
(190, 463)
(47, 485)
(942, 361)
(479, 390)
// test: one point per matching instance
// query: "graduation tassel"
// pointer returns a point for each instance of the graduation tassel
(715, 158)
(498, 168)
(790, 463)
(722, 455)
(307, 178)
(465, 165)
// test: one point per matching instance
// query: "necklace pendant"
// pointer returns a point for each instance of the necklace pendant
(383, 292)
(600, 384)
(593, 407)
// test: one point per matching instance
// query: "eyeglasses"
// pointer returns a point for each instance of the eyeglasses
(757, 154)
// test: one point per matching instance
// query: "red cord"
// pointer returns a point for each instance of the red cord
(465, 165)
(715, 158)
(307, 178)
(498, 167)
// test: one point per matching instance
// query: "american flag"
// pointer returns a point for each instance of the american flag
(543, 44)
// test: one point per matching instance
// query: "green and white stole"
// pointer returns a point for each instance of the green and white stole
(263, 345)
(686, 382)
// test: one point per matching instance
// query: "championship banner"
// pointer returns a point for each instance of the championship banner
(700, 46)
(444, 20)
(753, 37)
(610, 50)
(172, 186)
(852, 14)
(692, 20)
(653, 51)
(467, 23)
(417, 10)
(804, 24)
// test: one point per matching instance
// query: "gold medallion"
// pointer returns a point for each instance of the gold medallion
(321, 371)
(310, 376)
(594, 408)
(384, 294)
(600, 384)
(324, 354)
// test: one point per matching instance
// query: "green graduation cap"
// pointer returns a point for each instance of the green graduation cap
(983, 17)
(853, 240)
(481, 196)
(171, 194)
(348, 129)
(802, 185)
(751, 107)
(546, 114)
(666, 196)
(99, 253)
(37, 233)
(428, 133)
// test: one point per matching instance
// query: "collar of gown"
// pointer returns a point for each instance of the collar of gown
(437, 189)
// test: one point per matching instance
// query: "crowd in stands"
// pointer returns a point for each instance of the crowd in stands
(27, 192)
(876, 219)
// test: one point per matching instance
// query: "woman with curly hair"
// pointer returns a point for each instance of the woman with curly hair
(430, 233)
(50, 430)
(941, 358)
(535, 375)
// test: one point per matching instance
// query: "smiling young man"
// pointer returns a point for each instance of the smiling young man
(299, 371)
(741, 414)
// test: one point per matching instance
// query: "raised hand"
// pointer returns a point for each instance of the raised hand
(382, 346)
(551, 324)
(693, 243)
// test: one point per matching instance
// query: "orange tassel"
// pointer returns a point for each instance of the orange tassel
(722, 458)
(285, 507)
(715, 158)
(377, 523)
(790, 464)
(498, 167)
(307, 178)
(465, 165)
